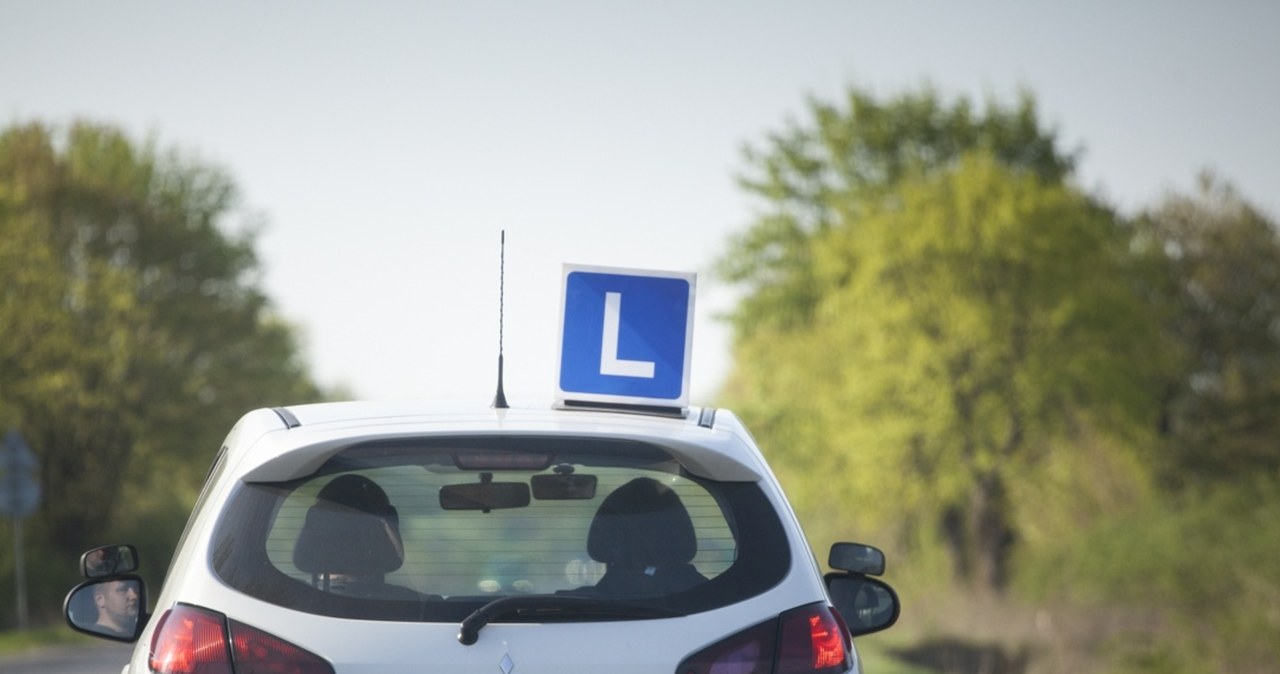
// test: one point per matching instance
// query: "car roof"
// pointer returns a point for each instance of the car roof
(283, 443)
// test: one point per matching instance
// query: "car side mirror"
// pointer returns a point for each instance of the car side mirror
(856, 558)
(866, 604)
(110, 608)
(109, 560)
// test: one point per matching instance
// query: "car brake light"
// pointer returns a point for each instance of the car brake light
(258, 651)
(189, 640)
(814, 639)
(192, 640)
(747, 652)
(811, 639)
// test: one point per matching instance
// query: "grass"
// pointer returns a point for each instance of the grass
(18, 641)
(876, 651)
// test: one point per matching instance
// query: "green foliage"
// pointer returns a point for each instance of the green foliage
(1205, 559)
(948, 350)
(968, 328)
(135, 333)
(19, 642)
(848, 158)
(832, 195)
(984, 300)
(1221, 256)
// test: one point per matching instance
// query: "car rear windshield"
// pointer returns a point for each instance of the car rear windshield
(431, 530)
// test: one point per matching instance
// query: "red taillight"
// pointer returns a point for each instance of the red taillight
(811, 639)
(191, 640)
(747, 652)
(256, 651)
(814, 639)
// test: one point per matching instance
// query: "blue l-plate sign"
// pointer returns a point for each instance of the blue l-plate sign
(626, 336)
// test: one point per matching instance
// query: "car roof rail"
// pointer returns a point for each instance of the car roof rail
(290, 421)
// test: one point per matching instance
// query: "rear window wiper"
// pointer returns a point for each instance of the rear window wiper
(550, 605)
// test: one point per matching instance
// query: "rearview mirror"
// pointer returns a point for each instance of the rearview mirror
(484, 496)
(564, 487)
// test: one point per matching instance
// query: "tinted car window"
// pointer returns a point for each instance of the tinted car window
(431, 530)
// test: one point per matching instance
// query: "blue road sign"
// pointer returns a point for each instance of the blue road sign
(626, 336)
(19, 483)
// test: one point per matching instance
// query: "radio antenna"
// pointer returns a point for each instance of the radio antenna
(500, 398)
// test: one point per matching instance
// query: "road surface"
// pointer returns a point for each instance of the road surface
(105, 658)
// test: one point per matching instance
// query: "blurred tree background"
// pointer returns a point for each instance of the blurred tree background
(1059, 420)
(1037, 404)
(133, 333)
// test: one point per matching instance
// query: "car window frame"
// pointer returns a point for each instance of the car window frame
(243, 526)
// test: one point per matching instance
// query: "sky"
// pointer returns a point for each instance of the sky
(387, 147)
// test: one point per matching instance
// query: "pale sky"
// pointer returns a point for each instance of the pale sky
(387, 144)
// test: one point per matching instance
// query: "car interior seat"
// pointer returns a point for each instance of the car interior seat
(351, 530)
(644, 535)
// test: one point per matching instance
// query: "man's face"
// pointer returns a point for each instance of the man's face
(118, 601)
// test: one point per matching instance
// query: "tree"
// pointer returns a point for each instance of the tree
(968, 325)
(1221, 257)
(801, 379)
(813, 176)
(135, 333)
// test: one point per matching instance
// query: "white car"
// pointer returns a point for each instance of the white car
(357, 538)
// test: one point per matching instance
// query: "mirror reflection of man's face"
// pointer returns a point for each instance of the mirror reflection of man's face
(117, 605)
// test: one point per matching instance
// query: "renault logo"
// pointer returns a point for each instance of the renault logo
(507, 664)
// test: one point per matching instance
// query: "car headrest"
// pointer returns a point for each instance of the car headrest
(351, 529)
(642, 523)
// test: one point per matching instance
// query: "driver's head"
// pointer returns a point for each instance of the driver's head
(117, 602)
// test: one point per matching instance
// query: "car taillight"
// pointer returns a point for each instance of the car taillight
(811, 639)
(814, 639)
(256, 651)
(189, 640)
(192, 640)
